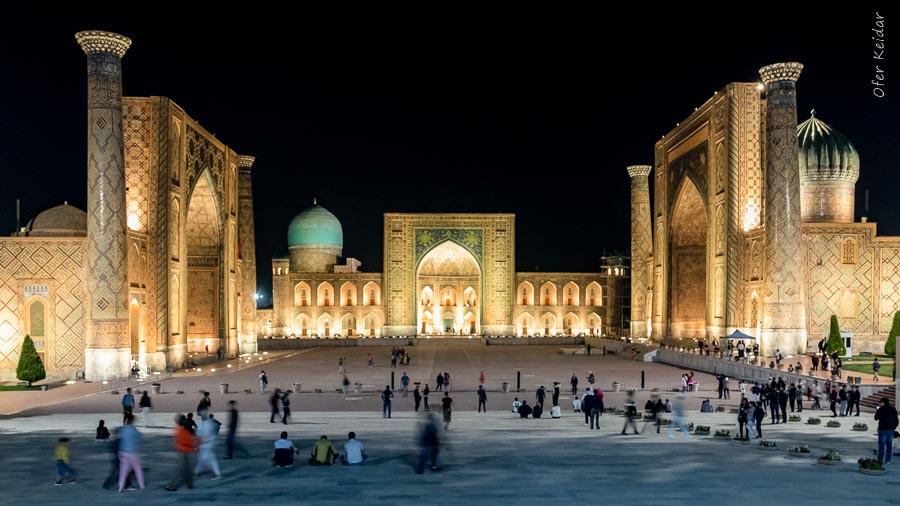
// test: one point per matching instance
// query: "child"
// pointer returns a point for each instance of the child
(63, 469)
(102, 433)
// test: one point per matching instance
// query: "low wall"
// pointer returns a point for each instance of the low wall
(741, 371)
(553, 340)
(299, 344)
(618, 347)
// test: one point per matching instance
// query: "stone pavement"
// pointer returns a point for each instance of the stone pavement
(493, 458)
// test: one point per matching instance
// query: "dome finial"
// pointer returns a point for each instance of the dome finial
(314, 201)
(812, 113)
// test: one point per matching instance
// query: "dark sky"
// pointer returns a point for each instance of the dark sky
(535, 113)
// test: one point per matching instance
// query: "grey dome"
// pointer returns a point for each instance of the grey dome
(59, 221)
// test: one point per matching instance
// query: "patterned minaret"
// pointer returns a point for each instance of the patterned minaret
(107, 346)
(641, 247)
(247, 238)
(784, 292)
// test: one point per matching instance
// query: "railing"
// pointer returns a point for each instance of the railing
(368, 384)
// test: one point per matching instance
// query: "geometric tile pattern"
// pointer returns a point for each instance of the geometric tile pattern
(247, 245)
(890, 288)
(641, 246)
(828, 278)
(60, 265)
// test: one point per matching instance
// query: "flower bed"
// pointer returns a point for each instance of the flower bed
(799, 451)
(722, 434)
(794, 418)
(832, 458)
(767, 444)
(833, 424)
(813, 421)
(701, 430)
(871, 466)
(860, 427)
(744, 439)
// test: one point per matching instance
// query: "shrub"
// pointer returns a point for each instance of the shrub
(30, 368)
(794, 418)
(871, 464)
(833, 423)
(890, 347)
(813, 421)
(835, 342)
(860, 427)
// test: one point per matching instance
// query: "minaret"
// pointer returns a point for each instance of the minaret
(784, 291)
(107, 345)
(641, 247)
(247, 238)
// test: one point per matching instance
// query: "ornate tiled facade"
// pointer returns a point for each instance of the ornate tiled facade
(731, 169)
(445, 274)
(158, 273)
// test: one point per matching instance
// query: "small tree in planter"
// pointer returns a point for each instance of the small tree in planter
(890, 347)
(30, 367)
(835, 342)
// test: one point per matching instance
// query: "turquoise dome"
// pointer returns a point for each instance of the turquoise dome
(315, 226)
(825, 155)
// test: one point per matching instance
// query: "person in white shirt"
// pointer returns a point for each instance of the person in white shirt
(355, 453)
(516, 405)
(208, 432)
(284, 451)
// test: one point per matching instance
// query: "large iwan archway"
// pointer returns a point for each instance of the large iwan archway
(449, 270)
(204, 247)
(688, 272)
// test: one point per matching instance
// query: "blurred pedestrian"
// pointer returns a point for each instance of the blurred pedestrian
(145, 405)
(209, 436)
(429, 444)
(185, 447)
(231, 442)
(129, 458)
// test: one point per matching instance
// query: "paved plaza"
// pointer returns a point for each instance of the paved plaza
(488, 458)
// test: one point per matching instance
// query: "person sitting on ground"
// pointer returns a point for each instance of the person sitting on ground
(706, 407)
(323, 453)
(668, 406)
(537, 410)
(284, 451)
(354, 452)
(658, 407)
(524, 410)
(576, 405)
(102, 433)
(516, 405)
(648, 406)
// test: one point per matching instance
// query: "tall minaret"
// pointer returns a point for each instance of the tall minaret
(247, 238)
(784, 291)
(107, 344)
(641, 247)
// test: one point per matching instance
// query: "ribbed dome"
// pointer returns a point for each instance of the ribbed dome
(59, 221)
(825, 154)
(315, 226)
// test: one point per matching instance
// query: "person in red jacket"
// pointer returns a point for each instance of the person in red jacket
(185, 447)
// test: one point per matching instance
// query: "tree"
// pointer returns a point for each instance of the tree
(835, 342)
(890, 347)
(30, 368)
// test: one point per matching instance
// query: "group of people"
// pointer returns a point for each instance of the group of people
(323, 452)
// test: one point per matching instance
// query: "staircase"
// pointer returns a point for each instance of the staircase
(868, 403)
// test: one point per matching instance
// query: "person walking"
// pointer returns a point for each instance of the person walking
(417, 397)
(440, 382)
(404, 384)
(345, 385)
(843, 397)
(574, 383)
(386, 397)
(482, 399)
(886, 416)
(540, 395)
(678, 418)
(273, 405)
(203, 406)
(446, 409)
(630, 413)
(208, 434)
(556, 393)
(341, 365)
(876, 366)
(231, 442)
(127, 404)
(590, 379)
(185, 447)
(587, 403)
(798, 396)
(129, 453)
(285, 407)
(425, 397)
(833, 399)
(263, 381)
(854, 400)
(429, 444)
(370, 360)
(446, 381)
(481, 378)
(145, 405)
(758, 415)
(595, 410)
(782, 403)
(815, 362)
(792, 396)
(64, 469)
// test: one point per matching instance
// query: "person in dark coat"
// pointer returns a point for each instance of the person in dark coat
(782, 403)
(482, 399)
(524, 410)
(556, 393)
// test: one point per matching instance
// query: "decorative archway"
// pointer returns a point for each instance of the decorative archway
(325, 294)
(571, 324)
(372, 294)
(348, 325)
(302, 294)
(571, 294)
(525, 324)
(548, 294)
(594, 324)
(301, 325)
(594, 293)
(688, 263)
(372, 324)
(348, 294)
(445, 272)
(204, 268)
(548, 324)
(326, 325)
(525, 293)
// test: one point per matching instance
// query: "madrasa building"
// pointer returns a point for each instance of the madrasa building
(444, 275)
(161, 265)
(752, 228)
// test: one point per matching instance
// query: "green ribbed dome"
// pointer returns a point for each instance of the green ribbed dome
(315, 226)
(825, 154)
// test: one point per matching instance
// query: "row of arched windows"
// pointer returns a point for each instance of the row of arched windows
(569, 296)
(348, 295)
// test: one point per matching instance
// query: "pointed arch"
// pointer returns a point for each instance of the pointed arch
(134, 265)
(688, 260)
(571, 324)
(302, 294)
(594, 293)
(372, 294)
(427, 326)
(571, 294)
(372, 324)
(325, 294)
(326, 325)
(548, 294)
(469, 323)
(548, 324)
(469, 297)
(427, 296)
(448, 296)
(203, 218)
(594, 324)
(348, 294)
(525, 293)
(525, 324)
(301, 325)
(348, 324)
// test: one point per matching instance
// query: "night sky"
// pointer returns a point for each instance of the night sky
(534, 113)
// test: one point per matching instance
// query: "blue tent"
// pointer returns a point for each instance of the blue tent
(737, 334)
